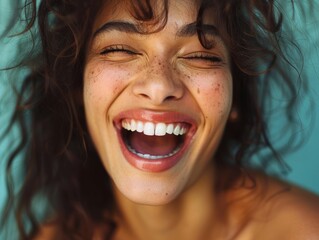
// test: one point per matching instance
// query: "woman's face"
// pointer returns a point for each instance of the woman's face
(156, 104)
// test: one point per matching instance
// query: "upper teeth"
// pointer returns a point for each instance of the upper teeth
(151, 129)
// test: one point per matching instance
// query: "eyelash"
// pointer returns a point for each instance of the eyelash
(117, 48)
(196, 56)
(205, 57)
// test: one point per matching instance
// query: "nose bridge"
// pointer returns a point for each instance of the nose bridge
(159, 82)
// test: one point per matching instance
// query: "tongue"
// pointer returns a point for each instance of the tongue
(153, 145)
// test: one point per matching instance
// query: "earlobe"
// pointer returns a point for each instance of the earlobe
(234, 115)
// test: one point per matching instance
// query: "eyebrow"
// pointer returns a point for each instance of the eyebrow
(187, 30)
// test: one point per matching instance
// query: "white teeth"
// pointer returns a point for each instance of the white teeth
(125, 125)
(177, 130)
(151, 129)
(133, 125)
(140, 127)
(160, 129)
(153, 157)
(170, 128)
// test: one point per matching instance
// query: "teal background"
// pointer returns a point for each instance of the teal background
(304, 26)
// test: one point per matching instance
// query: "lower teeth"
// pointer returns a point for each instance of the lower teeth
(153, 157)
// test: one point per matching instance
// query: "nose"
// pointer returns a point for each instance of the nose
(159, 83)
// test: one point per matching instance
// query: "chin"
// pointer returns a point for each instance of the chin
(153, 192)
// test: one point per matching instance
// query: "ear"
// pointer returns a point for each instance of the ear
(234, 115)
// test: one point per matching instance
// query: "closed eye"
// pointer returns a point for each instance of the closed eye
(204, 57)
(202, 60)
(120, 49)
(119, 53)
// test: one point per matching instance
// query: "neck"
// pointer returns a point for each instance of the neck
(192, 215)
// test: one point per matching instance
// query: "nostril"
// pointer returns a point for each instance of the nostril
(169, 98)
(164, 99)
(144, 95)
(158, 89)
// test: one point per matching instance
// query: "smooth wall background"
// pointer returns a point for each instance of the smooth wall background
(304, 26)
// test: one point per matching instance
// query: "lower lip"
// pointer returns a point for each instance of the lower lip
(151, 165)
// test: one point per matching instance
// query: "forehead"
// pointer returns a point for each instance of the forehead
(178, 11)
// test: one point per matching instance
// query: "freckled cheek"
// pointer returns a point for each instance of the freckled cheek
(213, 93)
(103, 84)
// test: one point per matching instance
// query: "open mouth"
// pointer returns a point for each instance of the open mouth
(153, 141)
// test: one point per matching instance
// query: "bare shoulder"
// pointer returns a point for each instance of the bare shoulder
(287, 212)
(46, 232)
(52, 231)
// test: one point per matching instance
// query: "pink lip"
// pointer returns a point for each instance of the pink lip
(158, 165)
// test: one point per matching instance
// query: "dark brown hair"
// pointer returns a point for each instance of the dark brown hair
(61, 165)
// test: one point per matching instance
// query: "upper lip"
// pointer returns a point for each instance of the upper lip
(155, 117)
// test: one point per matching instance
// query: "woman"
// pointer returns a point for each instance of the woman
(144, 116)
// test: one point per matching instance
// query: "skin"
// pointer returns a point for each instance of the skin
(181, 202)
(159, 77)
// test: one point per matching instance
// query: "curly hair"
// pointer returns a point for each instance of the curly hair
(61, 163)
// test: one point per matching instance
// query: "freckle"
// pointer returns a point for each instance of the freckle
(198, 91)
(166, 194)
